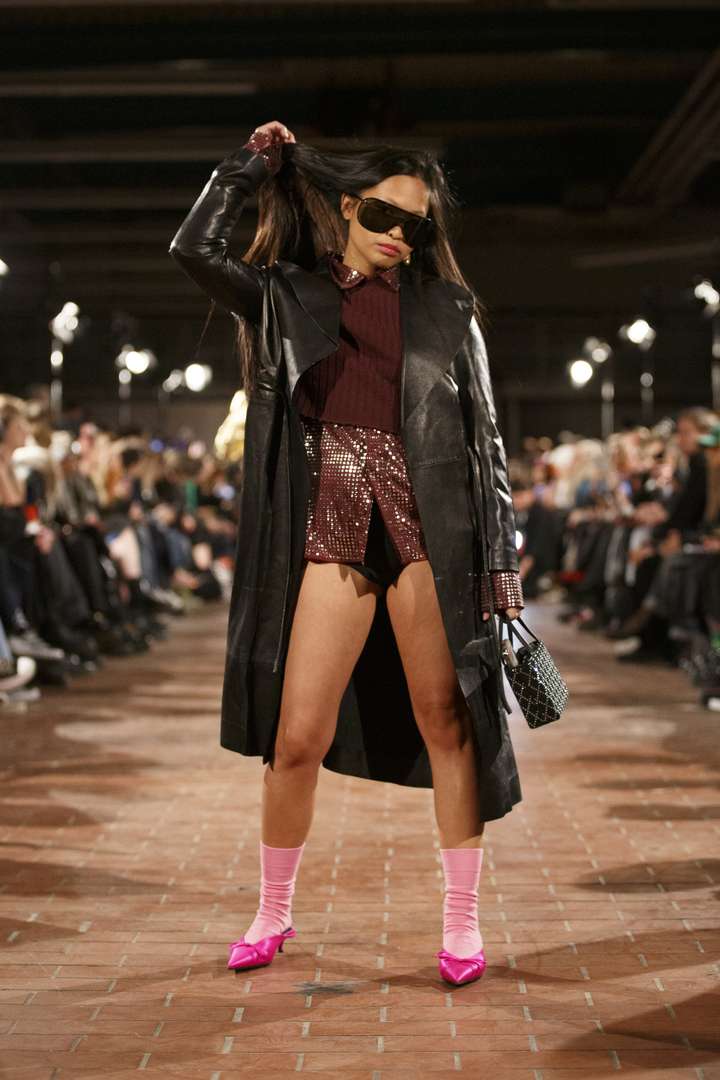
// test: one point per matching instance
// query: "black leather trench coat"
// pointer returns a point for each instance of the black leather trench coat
(457, 465)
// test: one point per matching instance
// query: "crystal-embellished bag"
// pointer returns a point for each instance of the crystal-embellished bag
(533, 675)
(535, 680)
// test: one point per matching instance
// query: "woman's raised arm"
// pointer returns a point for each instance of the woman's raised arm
(201, 244)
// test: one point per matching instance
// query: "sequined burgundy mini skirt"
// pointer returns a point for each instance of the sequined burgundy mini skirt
(360, 482)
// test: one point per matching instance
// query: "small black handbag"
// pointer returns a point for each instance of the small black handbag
(531, 671)
(533, 675)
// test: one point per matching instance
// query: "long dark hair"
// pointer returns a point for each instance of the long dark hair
(299, 217)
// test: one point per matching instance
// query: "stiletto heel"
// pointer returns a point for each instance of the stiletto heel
(259, 953)
(461, 969)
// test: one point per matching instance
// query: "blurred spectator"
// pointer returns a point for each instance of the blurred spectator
(100, 537)
(103, 535)
(628, 531)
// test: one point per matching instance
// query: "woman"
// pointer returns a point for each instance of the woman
(355, 639)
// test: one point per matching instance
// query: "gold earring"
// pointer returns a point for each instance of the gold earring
(407, 260)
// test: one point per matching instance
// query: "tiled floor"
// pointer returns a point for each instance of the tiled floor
(130, 859)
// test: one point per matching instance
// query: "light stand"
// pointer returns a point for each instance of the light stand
(195, 377)
(130, 361)
(639, 332)
(62, 328)
(705, 290)
(601, 354)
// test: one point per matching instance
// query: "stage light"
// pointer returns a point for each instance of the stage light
(174, 381)
(705, 290)
(130, 361)
(639, 332)
(137, 361)
(65, 323)
(62, 328)
(197, 377)
(4, 269)
(581, 371)
(597, 350)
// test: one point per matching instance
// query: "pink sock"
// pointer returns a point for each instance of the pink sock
(279, 867)
(461, 933)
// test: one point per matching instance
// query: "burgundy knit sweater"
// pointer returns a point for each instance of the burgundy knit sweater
(360, 382)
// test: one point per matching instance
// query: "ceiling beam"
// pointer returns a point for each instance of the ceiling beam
(108, 236)
(231, 31)
(167, 144)
(682, 147)
(97, 198)
(152, 263)
(542, 224)
(182, 145)
(105, 8)
(201, 78)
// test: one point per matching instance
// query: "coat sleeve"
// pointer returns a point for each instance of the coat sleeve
(500, 514)
(201, 244)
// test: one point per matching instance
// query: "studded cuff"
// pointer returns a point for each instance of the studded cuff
(507, 588)
(268, 146)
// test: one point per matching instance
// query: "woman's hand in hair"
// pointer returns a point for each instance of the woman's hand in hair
(267, 140)
(277, 130)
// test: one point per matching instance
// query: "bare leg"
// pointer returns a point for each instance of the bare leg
(332, 619)
(438, 703)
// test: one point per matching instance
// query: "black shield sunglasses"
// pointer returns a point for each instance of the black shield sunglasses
(378, 216)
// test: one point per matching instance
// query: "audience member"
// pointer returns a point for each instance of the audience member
(100, 537)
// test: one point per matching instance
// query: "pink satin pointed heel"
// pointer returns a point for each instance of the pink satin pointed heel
(461, 969)
(260, 953)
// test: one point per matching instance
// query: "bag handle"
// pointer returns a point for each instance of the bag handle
(513, 629)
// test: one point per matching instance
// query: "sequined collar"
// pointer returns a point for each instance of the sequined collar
(347, 276)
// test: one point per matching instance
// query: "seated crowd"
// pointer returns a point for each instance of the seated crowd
(101, 536)
(627, 532)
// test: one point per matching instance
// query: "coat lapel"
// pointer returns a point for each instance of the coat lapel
(434, 318)
(306, 341)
